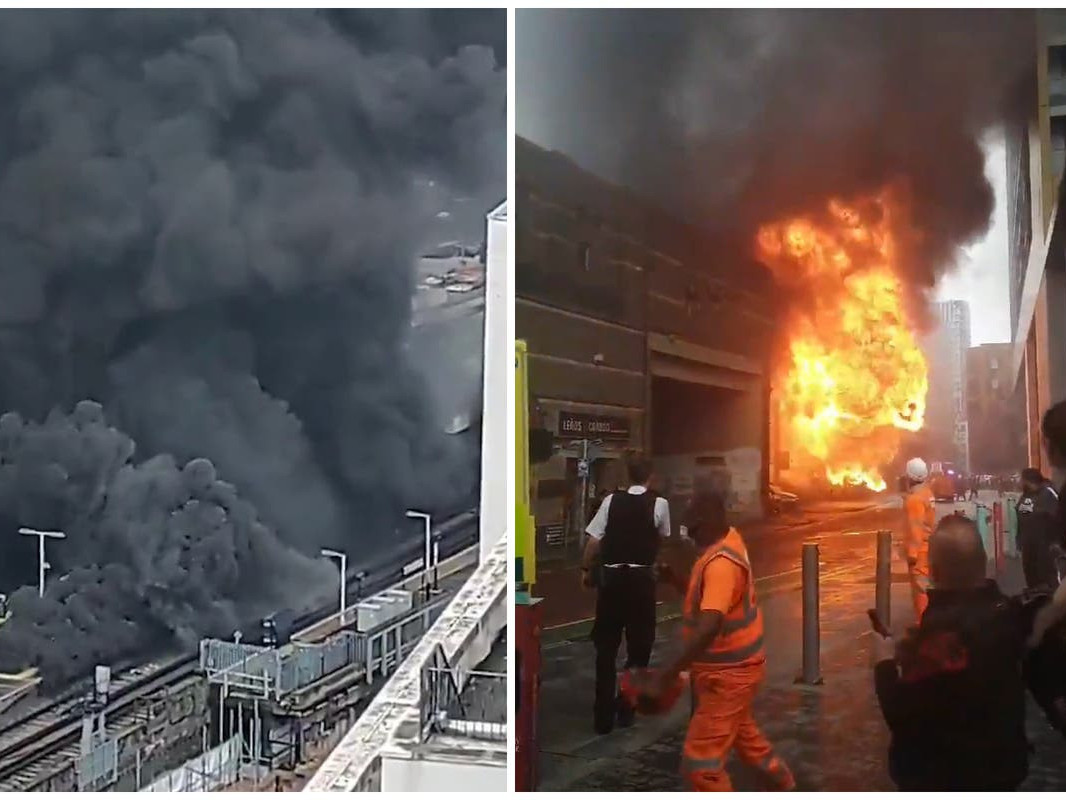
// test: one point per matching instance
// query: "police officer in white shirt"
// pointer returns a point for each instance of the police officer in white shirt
(624, 537)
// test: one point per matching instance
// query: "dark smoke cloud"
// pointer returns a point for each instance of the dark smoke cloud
(162, 549)
(737, 118)
(208, 223)
(436, 33)
(195, 402)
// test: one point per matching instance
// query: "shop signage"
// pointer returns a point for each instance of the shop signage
(552, 535)
(591, 426)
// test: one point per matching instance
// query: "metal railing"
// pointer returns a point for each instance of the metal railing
(478, 710)
(273, 673)
(305, 664)
(389, 645)
(399, 713)
(239, 667)
(439, 690)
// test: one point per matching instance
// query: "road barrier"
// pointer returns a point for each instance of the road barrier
(997, 535)
(883, 584)
(983, 518)
(812, 669)
(1011, 520)
(998, 526)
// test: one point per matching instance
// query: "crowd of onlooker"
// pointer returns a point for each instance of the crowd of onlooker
(953, 688)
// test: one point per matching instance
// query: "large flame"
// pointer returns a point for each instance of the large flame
(855, 376)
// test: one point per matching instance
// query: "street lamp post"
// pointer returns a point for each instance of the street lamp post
(429, 538)
(436, 559)
(343, 558)
(42, 564)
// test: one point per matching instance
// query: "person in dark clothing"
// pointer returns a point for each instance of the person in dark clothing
(1038, 529)
(1053, 427)
(623, 537)
(953, 695)
(1044, 668)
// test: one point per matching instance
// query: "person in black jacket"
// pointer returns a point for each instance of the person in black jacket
(1053, 427)
(623, 538)
(1038, 529)
(1044, 667)
(954, 695)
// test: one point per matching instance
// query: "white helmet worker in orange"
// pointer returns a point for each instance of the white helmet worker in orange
(920, 507)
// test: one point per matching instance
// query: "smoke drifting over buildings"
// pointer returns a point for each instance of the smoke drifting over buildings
(738, 118)
(209, 222)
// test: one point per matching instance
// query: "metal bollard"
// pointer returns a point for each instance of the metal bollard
(984, 529)
(997, 535)
(1012, 528)
(812, 668)
(883, 586)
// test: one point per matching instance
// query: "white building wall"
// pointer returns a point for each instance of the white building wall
(423, 775)
(497, 453)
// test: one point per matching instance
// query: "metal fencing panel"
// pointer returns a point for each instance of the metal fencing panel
(270, 672)
(212, 770)
(98, 767)
(217, 654)
(244, 666)
(306, 664)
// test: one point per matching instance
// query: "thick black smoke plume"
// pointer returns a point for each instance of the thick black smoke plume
(738, 118)
(208, 225)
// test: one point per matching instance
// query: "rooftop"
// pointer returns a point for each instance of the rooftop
(397, 724)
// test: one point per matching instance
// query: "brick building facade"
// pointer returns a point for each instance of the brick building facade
(643, 334)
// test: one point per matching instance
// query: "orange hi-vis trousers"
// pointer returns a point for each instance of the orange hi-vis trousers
(920, 582)
(920, 510)
(722, 721)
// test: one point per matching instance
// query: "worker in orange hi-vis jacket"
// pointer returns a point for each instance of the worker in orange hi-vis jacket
(920, 507)
(723, 653)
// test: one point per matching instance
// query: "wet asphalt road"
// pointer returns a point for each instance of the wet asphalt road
(845, 532)
(833, 734)
(846, 535)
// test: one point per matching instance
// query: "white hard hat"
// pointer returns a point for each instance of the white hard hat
(917, 470)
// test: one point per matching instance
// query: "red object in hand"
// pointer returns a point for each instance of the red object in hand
(634, 683)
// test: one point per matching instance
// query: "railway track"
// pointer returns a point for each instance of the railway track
(46, 738)
(52, 738)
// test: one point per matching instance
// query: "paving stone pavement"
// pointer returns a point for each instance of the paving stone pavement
(832, 735)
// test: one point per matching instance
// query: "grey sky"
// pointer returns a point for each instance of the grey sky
(981, 277)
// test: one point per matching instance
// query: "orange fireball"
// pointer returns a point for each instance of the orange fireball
(854, 376)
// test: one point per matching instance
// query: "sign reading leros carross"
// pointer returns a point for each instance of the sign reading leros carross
(525, 536)
(591, 426)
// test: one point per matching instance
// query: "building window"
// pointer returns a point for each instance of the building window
(994, 363)
(1056, 61)
(1058, 142)
(995, 384)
